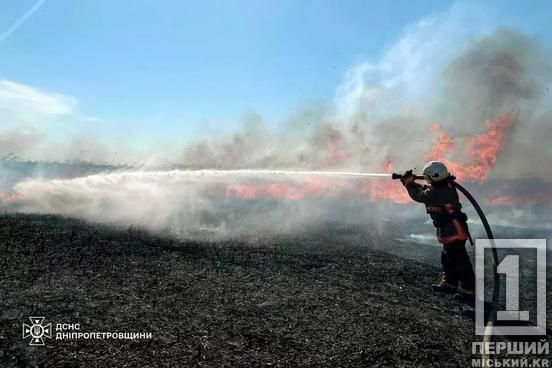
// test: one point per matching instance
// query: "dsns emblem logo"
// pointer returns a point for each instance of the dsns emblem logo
(37, 331)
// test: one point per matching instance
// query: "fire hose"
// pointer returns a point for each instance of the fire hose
(496, 278)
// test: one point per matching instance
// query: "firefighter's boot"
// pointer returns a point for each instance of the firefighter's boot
(445, 286)
(464, 293)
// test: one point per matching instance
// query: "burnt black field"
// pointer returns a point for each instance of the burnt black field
(324, 299)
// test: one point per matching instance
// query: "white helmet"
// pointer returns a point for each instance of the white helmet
(435, 171)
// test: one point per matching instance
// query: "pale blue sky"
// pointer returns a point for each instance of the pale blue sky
(160, 68)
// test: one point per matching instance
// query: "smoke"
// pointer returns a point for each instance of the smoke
(480, 102)
(506, 72)
(194, 203)
(18, 140)
(502, 73)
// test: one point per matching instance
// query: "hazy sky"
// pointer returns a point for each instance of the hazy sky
(149, 70)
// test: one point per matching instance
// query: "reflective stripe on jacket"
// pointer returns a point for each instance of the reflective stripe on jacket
(442, 204)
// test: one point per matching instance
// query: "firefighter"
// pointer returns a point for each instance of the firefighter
(442, 204)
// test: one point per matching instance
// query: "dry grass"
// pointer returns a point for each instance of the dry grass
(288, 302)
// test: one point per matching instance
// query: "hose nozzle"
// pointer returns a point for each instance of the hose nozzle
(396, 176)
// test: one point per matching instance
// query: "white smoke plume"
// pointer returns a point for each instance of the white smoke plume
(438, 72)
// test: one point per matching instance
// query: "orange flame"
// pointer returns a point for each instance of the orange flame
(310, 187)
(443, 142)
(482, 150)
(385, 190)
(481, 154)
(376, 189)
(519, 199)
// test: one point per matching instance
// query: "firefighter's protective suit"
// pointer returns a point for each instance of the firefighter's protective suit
(442, 204)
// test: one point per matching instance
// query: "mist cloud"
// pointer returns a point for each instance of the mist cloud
(440, 71)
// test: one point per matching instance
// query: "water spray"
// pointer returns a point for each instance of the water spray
(252, 172)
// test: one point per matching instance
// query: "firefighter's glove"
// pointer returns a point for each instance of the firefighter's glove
(408, 178)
